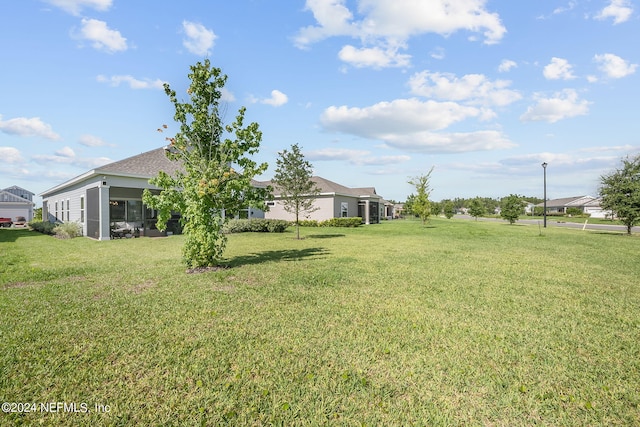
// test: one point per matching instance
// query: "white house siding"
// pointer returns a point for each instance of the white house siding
(70, 198)
(116, 188)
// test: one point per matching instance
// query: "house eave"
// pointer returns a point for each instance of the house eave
(69, 183)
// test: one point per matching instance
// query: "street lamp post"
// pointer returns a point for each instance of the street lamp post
(544, 212)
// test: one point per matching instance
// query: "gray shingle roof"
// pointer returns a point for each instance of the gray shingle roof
(15, 187)
(146, 165)
(327, 186)
(568, 202)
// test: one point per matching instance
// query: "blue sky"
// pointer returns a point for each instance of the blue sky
(374, 91)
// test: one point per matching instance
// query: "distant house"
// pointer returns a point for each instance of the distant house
(398, 210)
(587, 204)
(16, 201)
(335, 201)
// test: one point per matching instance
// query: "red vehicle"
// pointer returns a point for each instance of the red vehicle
(6, 222)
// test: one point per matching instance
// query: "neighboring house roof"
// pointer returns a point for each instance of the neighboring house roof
(22, 190)
(332, 188)
(6, 197)
(567, 202)
(594, 203)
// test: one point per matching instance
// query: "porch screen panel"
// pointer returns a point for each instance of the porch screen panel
(93, 212)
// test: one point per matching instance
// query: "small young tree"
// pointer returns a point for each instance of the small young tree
(448, 209)
(216, 179)
(620, 192)
(293, 180)
(476, 208)
(511, 208)
(420, 205)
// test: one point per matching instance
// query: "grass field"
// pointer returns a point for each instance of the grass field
(456, 323)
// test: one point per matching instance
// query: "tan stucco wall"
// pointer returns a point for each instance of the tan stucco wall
(328, 207)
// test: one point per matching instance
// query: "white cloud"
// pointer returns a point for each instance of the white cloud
(563, 9)
(457, 142)
(562, 105)
(411, 124)
(132, 82)
(200, 40)
(472, 88)
(558, 69)
(227, 95)
(618, 148)
(506, 65)
(356, 157)
(277, 99)
(374, 57)
(560, 162)
(66, 152)
(75, 6)
(619, 10)
(438, 53)
(92, 141)
(400, 115)
(614, 66)
(385, 26)
(23, 126)
(333, 18)
(10, 155)
(66, 156)
(101, 36)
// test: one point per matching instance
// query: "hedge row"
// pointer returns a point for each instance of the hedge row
(67, 230)
(255, 225)
(260, 225)
(44, 227)
(333, 222)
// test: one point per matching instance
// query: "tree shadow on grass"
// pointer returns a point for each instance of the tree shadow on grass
(279, 255)
(323, 236)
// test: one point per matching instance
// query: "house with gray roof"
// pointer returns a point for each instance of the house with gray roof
(335, 201)
(109, 197)
(587, 204)
(16, 202)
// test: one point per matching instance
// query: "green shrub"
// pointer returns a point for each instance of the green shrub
(342, 222)
(256, 225)
(68, 230)
(308, 223)
(44, 227)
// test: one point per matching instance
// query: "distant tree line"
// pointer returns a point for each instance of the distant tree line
(476, 206)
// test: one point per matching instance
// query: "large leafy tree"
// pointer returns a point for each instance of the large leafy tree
(620, 192)
(293, 180)
(215, 181)
(511, 208)
(420, 205)
(476, 208)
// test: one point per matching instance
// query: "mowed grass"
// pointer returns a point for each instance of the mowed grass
(455, 323)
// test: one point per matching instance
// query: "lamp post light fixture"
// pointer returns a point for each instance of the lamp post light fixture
(544, 211)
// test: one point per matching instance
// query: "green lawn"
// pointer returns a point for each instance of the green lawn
(456, 323)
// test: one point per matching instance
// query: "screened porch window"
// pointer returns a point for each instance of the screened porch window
(125, 210)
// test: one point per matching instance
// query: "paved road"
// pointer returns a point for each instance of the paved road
(555, 223)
